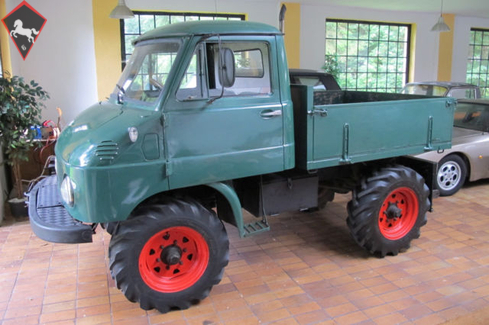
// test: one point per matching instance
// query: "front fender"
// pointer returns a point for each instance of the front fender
(234, 204)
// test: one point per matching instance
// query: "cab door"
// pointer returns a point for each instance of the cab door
(216, 134)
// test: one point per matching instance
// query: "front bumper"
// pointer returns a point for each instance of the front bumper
(49, 219)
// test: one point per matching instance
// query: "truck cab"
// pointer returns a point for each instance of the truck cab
(181, 82)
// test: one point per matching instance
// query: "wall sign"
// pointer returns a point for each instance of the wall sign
(24, 24)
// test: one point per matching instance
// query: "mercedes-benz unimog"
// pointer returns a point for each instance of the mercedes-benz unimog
(202, 124)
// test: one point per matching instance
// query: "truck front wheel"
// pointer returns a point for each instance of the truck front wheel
(388, 209)
(169, 255)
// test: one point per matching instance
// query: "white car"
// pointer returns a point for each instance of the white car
(468, 159)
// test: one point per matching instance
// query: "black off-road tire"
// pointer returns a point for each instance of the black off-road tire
(376, 203)
(161, 240)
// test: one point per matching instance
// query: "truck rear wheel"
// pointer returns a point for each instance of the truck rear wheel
(388, 209)
(169, 255)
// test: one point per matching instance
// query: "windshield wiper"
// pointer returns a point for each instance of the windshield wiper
(120, 94)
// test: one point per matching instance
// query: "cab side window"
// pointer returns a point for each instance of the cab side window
(252, 69)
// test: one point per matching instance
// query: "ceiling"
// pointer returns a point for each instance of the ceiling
(471, 8)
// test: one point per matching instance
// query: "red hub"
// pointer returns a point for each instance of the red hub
(398, 213)
(174, 259)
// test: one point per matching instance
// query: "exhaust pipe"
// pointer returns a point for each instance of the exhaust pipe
(281, 18)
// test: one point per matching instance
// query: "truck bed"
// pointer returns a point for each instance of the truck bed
(345, 127)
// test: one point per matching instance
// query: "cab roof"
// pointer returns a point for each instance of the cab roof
(209, 27)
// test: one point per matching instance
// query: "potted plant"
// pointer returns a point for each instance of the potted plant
(21, 104)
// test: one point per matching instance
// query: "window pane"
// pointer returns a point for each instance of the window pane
(477, 61)
(177, 19)
(191, 18)
(162, 20)
(131, 26)
(375, 56)
(341, 47)
(249, 63)
(353, 31)
(330, 30)
(147, 23)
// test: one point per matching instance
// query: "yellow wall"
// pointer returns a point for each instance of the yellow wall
(107, 46)
(412, 52)
(4, 41)
(293, 33)
(445, 50)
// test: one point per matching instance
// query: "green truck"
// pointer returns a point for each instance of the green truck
(202, 124)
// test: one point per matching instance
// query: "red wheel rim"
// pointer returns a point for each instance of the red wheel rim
(174, 259)
(398, 213)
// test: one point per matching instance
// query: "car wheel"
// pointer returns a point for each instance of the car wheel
(452, 172)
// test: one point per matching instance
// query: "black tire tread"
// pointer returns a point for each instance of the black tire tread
(367, 198)
(130, 232)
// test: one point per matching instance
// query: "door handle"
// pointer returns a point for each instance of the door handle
(269, 113)
(323, 112)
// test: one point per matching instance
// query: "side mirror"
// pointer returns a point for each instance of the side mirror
(227, 73)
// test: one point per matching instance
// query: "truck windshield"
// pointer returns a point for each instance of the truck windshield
(145, 74)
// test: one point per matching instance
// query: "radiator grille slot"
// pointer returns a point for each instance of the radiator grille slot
(107, 150)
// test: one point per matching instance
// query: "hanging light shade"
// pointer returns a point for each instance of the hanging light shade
(440, 25)
(121, 11)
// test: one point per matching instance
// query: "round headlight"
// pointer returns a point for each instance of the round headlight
(133, 133)
(66, 189)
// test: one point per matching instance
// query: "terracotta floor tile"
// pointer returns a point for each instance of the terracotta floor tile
(430, 320)
(51, 308)
(286, 321)
(312, 317)
(274, 315)
(209, 319)
(251, 320)
(258, 298)
(265, 307)
(305, 270)
(158, 318)
(230, 305)
(391, 319)
(199, 310)
(378, 311)
(352, 318)
(58, 316)
(341, 309)
(236, 313)
(128, 313)
(304, 308)
(29, 320)
(92, 310)
(132, 321)
(416, 311)
(22, 312)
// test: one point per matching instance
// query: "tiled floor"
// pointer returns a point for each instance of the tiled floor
(306, 270)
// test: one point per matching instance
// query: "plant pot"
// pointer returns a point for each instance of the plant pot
(18, 207)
